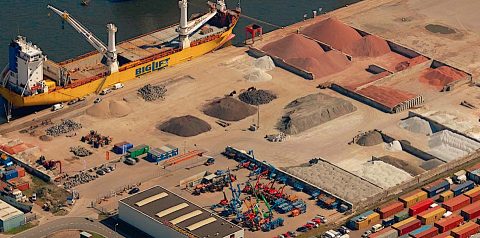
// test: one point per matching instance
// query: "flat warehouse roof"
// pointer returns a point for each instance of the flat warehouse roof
(180, 212)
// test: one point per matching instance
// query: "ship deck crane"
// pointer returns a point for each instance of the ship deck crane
(109, 51)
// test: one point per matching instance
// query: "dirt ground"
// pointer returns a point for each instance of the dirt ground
(194, 84)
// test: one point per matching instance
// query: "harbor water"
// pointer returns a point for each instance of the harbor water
(59, 41)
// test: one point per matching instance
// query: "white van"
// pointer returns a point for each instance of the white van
(57, 107)
(377, 228)
(118, 86)
(105, 91)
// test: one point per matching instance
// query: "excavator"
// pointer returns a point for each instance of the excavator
(49, 164)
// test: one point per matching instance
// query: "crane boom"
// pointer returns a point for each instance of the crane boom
(109, 52)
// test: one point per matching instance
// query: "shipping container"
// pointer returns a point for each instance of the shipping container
(474, 175)
(436, 187)
(122, 147)
(23, 186)
(358, 222)
(401, 216)
(408, 220)
(420, 207)
(473, 194)
(445, 196)
(463, 188)
(21, 172)
(456, 203)
(466, 230)
(413, 198)
(138, 150)
(442, 235)
(385, 233)
(390, 209)
(10, 174)
(448, 223)
(370, 220)
(408, 227)
(432, 215)
(388, 221)
(473, 168)
(471, 211)
(427, 231)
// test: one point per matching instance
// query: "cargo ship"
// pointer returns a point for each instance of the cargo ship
(30, 79)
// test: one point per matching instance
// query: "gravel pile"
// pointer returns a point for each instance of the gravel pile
(410, 168)
(256, 97)
(77, 179)
(370, 138)
(80, 151)
(152, 92)
(229, 109)
(45, 138)
(264, 63)
(431, 164)
(382, 174)
(416, 125)
(448, 146)
(337, 181)
(312, 110)
(65, 126)
(185, 126)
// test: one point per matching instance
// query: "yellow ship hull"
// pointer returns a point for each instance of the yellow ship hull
(68, 94)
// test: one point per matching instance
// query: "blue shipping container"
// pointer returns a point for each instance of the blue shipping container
(420, 230)
(437, 188)
(11, 174)
(463, 188)
(474, 176)
(388, 222)
(122, 148)
(351, 223)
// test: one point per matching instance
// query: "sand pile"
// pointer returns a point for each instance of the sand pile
(394, 146)
(441, 76)
(368, 46)
(333, 32)
(416, 125)
(382, 174)
(431, 164)
(229, 109)
(370, 138)
(312, 110)
(322, 65)
(257, 97)
(185, 126)
(107, 109)
(337, 181)
(264, 63)
(257, 75)
(448, 146)
(402, 164)
(293, 46)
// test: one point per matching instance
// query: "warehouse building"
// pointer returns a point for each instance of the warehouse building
(10, 217)
(161, 213)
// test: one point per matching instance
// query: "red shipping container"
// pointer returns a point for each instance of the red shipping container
(473, 168)
(390, 210)
(443, 235)
(456, 203)
(474, 197)
(21, 172)
(409, 227)
(471, 211)
(448, 223)
(23, 186)
(433, 231)
(465, 231)
(420, 207)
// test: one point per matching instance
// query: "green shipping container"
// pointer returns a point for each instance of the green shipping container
(401, 216)
(138, 150)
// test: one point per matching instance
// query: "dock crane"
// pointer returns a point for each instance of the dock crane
(109, 51)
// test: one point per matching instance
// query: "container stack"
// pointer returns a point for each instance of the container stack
(456, 203)
(390, 209)
(427, 231)
(163, 153)
(466, 230)
(436, 187)
(138, 150)
(401, 216)
(448, 223)
(473, 194)
(445, 196)
(385, 233)
(413, 198)
(463, 188)
(406, 226)
(471, 211)
(430, 216)
(420, 207)
(122, 147)
(473, 173)
(364, 220)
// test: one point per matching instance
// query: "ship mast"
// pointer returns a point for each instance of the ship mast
(183, 28)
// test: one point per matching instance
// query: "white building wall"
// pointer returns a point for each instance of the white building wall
(145, 223)
(238, 234)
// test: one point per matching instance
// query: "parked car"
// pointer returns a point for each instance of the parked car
(100, 172)
(105, 91)
(134, 190)
(107, 170)
(343, 230)
(317, 220)
(367, 233)
(111, 168)
(292, 233)
(447, 214)
(57, 107)
(315, 225)
(118, 86)
(130, 161)
(97, 100)
(82, 99)
(377, 228)
(72, 101)
(302, 229)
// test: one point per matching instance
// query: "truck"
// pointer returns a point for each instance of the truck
(118, 86)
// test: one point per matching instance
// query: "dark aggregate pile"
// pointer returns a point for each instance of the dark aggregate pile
(185, 126)
(256, 97)
(370, 138)
(152, 92)
(78, 179)
(63, 127)
(229, 109)
(80, 151)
